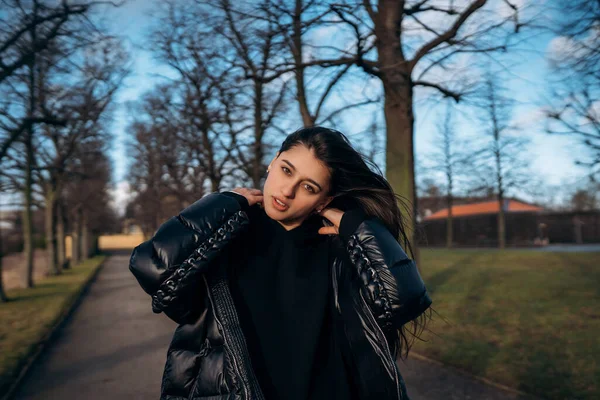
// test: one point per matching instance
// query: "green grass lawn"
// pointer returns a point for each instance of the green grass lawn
(31, 313)
(526, 319)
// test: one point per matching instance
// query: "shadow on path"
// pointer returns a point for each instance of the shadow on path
(112, 347)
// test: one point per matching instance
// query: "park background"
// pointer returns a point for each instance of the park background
(483, 115)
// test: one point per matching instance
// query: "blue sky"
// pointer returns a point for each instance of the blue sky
(552, 157)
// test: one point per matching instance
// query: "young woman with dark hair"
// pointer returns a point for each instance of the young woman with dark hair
(301, 290)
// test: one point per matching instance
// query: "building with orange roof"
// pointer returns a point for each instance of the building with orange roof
(485, 207)
(475, 223)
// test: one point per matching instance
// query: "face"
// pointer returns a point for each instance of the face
(298, 179)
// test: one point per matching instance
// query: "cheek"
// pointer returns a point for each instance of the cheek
(272, 182)
(268, 181)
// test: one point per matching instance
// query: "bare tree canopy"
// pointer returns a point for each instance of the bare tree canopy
(450, 158)
(575, 60)
(58, 75)
(264, 46)
(424, 44)
(498, 159)
(26, 30)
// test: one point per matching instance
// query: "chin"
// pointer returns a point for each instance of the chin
(271, 213)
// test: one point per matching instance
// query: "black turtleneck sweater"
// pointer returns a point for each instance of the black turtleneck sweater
(281, 286)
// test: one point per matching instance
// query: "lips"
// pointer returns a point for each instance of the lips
(279, 206)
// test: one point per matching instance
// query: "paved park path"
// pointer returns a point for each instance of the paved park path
(113, 347)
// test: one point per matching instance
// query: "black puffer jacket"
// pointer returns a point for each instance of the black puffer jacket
(376, 287)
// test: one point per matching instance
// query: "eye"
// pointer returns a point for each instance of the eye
(309, 188)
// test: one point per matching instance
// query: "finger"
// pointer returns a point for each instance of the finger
(327, 230)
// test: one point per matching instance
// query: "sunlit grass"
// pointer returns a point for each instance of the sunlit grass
(31, 313)
(529, 320)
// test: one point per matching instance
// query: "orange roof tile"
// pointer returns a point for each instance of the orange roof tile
(486, 207)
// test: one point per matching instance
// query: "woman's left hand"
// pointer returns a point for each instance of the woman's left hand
(334, 216)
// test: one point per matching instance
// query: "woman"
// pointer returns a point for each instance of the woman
(298, 291)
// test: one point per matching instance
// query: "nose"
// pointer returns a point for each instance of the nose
(288, 191)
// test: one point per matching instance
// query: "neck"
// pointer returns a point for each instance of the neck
(291, 225)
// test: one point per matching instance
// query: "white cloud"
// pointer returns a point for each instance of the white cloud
(553, 156)
(505, 11)
(120, 196)
(527, 118)
(560, 47)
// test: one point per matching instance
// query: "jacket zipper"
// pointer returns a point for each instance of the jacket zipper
(233, 333)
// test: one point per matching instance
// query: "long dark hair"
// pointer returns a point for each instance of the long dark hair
(355, 184)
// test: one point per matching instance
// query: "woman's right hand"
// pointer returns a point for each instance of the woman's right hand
(252, 195)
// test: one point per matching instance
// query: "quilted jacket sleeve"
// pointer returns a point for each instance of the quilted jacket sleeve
(169, 264)
(391, 283)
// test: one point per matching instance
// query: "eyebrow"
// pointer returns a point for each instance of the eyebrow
(308, 179)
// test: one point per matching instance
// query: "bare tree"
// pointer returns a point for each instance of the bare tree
(586, 197)
(27, 29)
(206, 93)
(258, 50)
(165, 174)
(145, 176)
(41, 36)
(3, 297)
(417, 44)
(583, 200)
(84, 105)
(296, 22)
(575, 105)
(448, 159)
(86, 197)
(404, 45)
(498, 163)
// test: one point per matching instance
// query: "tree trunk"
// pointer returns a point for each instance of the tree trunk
(27, 275)
(54, 268)
(399, 149)
(76, 238)
(257, 159)
(214, 185)
(60, 236)
(3, 296)
(95, 245)
(307, 118)
(449, 227)
(85, 237)
(500, 188)
(399, 116)
(501, 222)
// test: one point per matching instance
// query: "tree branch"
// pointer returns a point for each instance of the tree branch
(446, 36)
(443, 90)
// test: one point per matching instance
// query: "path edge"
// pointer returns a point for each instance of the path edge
(486, 381)
(52, 333)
